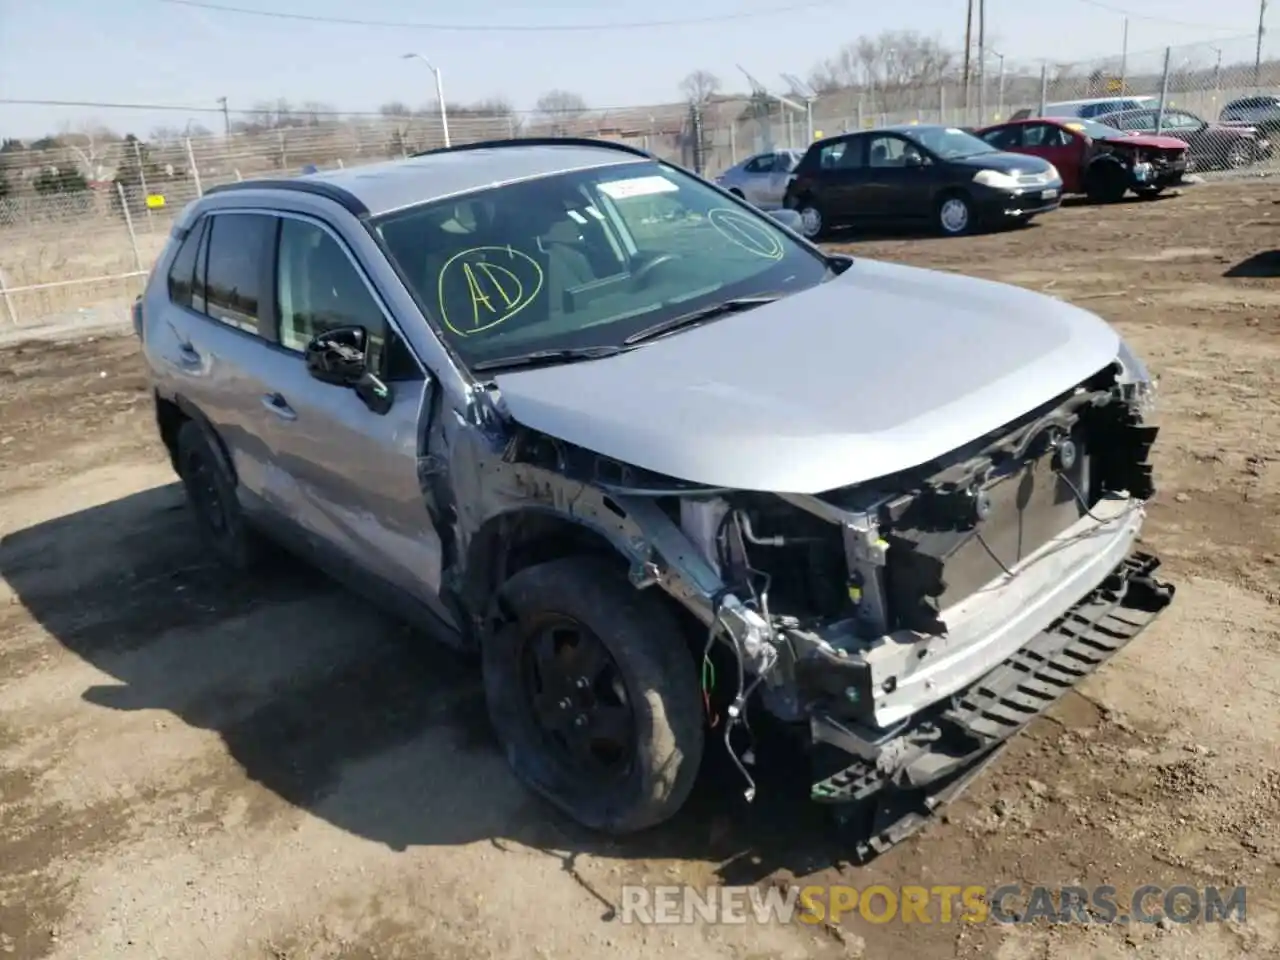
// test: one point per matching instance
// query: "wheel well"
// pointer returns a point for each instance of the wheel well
(515, 541)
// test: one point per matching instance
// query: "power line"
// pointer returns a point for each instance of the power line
(507, 27)
(1150, 18)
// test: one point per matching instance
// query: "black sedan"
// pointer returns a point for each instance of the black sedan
(918, 174)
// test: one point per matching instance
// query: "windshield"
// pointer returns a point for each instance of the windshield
(1092, 128)
(585, 259)
(950, 143)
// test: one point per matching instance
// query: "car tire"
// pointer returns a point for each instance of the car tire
(1148, 193)
(813, 223)
(211, 497)
(1106, 183)
(617, 747)
(954, 214)
(737, 193)
(1239, 155)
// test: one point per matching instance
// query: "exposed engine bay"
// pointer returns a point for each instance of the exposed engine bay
(861, 588)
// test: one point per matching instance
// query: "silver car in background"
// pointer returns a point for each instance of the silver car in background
(762, 178)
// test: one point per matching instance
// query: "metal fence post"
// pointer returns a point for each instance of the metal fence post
(142, 179)
(1164, 91)
(1044, 87)
(942, 101)
(195, 170)
(128, 222)
(8, 300)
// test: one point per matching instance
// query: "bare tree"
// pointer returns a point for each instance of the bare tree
(395, 109)
(700, 86)
(90, 147)
(558, 107)
(894, 60)
(313, 113)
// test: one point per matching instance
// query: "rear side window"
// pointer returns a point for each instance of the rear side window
(240, 247)
(182, 273)
(1004, 138)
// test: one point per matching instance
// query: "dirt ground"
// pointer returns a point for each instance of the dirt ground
(195, 766)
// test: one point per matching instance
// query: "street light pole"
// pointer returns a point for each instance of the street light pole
(444, 119)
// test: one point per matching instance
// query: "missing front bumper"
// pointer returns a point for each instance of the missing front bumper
(932, 758)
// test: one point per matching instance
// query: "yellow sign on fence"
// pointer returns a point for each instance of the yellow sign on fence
(155, 201)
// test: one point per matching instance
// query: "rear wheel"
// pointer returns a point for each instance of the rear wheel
(812, 222)
(955, 214)
(1238, 156)
(593, 693)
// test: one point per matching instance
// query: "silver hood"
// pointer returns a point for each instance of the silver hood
(883, 368)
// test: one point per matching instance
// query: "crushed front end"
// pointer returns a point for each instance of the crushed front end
(912, 624)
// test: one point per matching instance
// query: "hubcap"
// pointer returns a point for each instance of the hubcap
(579, 700)
(1238, 158)
(955, 215)
(810, 221)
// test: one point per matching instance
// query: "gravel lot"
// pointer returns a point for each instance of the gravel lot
(195, 766)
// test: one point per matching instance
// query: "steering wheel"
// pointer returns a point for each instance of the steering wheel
(640, 273)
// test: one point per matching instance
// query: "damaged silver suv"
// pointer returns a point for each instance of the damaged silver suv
(662, 462)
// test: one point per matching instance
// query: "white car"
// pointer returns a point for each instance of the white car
(762, 178)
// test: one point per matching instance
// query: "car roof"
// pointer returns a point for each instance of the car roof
(380, 188)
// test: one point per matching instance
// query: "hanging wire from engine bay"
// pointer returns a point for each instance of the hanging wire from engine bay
(753, 591)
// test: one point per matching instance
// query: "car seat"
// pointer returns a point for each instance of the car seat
(879, 155)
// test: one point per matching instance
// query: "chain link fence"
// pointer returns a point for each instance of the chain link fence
(82, 221)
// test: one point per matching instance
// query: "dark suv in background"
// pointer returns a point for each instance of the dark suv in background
(1262, 112)
(1209, 145)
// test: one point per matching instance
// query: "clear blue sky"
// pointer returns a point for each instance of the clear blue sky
(147, 51)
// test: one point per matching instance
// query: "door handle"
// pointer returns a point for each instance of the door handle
(278, 405)
(188, 355)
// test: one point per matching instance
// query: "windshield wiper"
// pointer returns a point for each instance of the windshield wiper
(695, 317)
(566, 355)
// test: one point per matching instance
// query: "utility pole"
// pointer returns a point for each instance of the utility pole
(968, 47)
(1262, 30)
(982, 62)
(1124, 58)
(226, 118)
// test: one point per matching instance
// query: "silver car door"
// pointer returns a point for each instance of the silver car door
(353, 473)
(209, 343)
(783, 163)
(757, 173)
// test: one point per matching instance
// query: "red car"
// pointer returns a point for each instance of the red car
(1094, 159)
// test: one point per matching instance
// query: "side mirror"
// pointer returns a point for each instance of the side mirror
(788, 218)
(337, 356)
(912, 160)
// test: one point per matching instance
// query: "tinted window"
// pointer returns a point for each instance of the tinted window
(1177, 120)
(182, 272)
(841, 155)
(239, 247)
(586, 258)
(886, 152)
(1004, 138)
(762, 164)
(1044, 135)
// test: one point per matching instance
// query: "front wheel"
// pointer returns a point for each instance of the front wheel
(1106, 182)
(1148, 193)
(593, 693)
(955, 215)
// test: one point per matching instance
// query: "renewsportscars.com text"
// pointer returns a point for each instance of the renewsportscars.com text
(974, 903)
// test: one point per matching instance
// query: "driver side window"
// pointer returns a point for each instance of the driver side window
(760, 164)
(319, 287)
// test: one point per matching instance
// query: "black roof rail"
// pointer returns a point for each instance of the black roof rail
(318, 188)
(539, 142)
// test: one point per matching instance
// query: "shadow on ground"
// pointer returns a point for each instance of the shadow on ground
(1260, 266)
(340, 711)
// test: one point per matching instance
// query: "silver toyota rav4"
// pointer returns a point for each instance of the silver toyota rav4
(659, 461)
